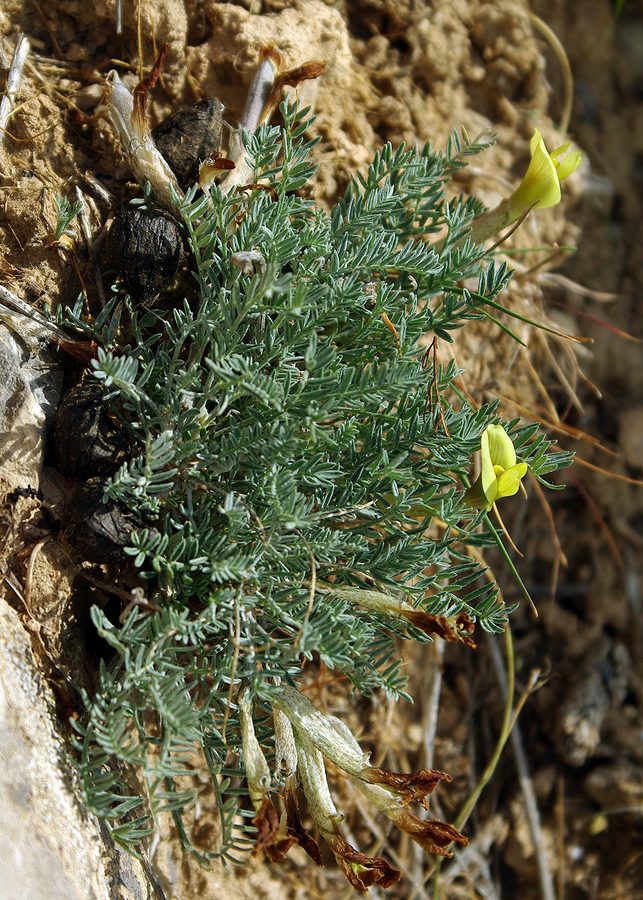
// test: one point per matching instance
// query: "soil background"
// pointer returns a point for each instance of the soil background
(409, 71)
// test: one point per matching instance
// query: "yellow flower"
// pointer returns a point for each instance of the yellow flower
(540, 187)
(500, 474)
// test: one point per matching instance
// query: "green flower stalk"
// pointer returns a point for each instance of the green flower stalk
(539, 188)
(500, 474)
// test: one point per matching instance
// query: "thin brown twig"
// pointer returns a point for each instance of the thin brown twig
(119, 17)
(559, 815)
(564, 380)
(139, 38)
(562, 427)
(602, 524)
(616, 475)
(559, 558)
(540, 387)
(581, 290)
(429, 730)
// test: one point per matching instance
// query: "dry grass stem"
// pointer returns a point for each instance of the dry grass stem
(526, 784)
(14, 79)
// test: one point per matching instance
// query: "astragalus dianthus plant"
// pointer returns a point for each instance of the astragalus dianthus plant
(299, 483)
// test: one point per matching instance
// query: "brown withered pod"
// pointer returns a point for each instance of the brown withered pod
(88, 444)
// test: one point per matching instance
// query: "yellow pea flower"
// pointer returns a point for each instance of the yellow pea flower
(500, 474)
(539, 189)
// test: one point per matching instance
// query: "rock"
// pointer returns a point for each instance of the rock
(49, 847)
(30, 386)
(616, 785)
(600, 685)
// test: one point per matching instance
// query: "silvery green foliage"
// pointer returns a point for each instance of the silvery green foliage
(286, 440)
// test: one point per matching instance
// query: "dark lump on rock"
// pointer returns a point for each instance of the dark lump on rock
(86, 439)
(144, 246)
(189, 136)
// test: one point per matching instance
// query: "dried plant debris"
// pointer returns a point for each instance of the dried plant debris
(97, 531)
(87, 440)
(191, 135)
(144, 246)
(599, 686)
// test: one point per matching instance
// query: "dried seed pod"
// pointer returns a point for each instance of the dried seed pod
(191, 135)
(127, 113)
(98, 532)
(145, 248)
(86, 441)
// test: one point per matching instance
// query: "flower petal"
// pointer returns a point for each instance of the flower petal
(560, 150)
(432, 835)
(297, 830)
(509, 481)
(361, 870)
(540, 186)
(568, 165)
(487, 475)
(271, 837)
(501, 448)
(451, 628)
(536, 139)
(411, 788)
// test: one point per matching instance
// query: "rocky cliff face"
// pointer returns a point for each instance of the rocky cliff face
(49, 846)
